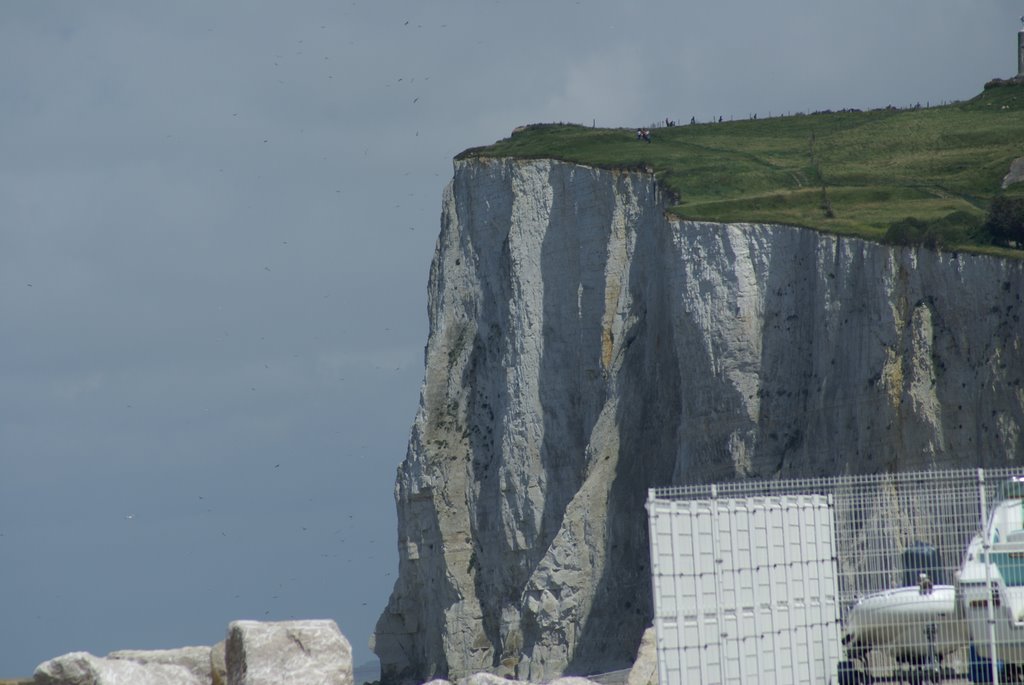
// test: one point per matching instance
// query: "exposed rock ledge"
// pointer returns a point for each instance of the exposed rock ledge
(584, 345)
(1015, 174)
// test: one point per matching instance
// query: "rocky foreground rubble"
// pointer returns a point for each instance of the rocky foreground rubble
(310, 652)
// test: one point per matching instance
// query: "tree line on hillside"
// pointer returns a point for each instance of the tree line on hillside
(1002, 226)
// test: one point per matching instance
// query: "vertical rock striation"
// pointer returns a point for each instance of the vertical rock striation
(585, 346)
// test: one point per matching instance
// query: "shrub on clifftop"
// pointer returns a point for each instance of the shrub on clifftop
(956, 228)
(1005, 221)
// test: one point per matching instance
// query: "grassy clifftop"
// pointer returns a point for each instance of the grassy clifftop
(849, 172)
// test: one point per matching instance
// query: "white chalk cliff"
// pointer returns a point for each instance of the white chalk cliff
(585, 345)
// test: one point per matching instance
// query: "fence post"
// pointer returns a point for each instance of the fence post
(716, 558)
(990, 609)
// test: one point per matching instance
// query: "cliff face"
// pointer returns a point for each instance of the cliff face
(584, 346)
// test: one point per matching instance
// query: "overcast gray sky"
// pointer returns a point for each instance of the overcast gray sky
(216, 224)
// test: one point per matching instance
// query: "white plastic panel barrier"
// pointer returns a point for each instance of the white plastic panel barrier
(745, 590)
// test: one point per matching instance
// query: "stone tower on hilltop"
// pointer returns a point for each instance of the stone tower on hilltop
(1020, 50)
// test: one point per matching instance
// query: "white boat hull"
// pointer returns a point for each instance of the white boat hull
(992, 580)
(976, 589)
(912, 626)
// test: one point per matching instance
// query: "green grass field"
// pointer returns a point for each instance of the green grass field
(870, 168)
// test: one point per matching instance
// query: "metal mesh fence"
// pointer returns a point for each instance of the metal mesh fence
(926, 581)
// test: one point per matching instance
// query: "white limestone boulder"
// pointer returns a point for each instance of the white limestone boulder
(572, 680)
(311, 652)
(218, 663)
(195, 659)
(484, 678)
(82, 668)
(645, 668)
